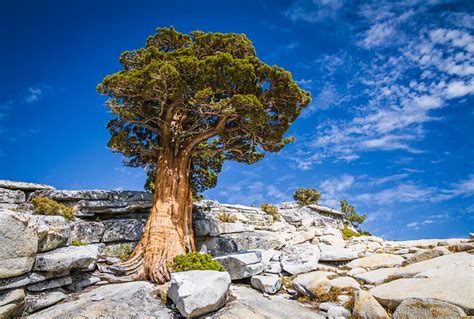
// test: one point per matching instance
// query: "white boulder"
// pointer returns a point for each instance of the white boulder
(18, 243)
(300, 258)
(266, 283)
(242, 265)
(198, 292)
(367, 307)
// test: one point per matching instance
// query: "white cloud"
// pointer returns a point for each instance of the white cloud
(33, 94)
(407, 76)
(314, 11)
(387, 179)
(458, 89)
(413, 224)
(411, 192)
(378, 34)
(248, 192)
(333, 189)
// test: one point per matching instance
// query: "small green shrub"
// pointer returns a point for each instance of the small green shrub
(196, 261)
(306, 196)
(226, 217)
(270, 210)
(77, 243)
(46, 206)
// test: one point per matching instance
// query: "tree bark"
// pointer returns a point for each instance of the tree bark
(168, 230)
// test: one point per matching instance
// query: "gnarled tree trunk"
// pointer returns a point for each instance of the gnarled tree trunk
(168, 230)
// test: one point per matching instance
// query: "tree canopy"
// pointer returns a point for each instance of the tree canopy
(306, 196)
(202, 95)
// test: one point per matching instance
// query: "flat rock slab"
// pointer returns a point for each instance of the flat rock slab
(249, 303)
(72, 257)
(427, 309)
(260, 239)
(23, 185)
(453, 288)
(127, 300)
(376, 277)
(377, 261)
(345, 282)
(334, 253)
(458, 259)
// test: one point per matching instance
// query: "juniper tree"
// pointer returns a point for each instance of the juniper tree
(350, 214)
(183, 104)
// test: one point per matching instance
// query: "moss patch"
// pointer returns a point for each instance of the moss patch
(77, 243)
(196, 261)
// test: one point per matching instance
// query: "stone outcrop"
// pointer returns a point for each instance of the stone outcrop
(301, 256)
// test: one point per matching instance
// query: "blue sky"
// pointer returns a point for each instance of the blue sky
(390, 126)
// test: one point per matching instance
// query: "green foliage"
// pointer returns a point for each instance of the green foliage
(122, 251)
(46, 206)
(270, 210)
(202, 95)
(77, 243)
(306, 196)
(226, 217)
(351, 214)
(196, 261)
(347, 233)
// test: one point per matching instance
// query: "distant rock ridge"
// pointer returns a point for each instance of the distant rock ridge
(43, 259)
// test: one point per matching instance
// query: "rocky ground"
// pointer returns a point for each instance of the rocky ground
(298, 266)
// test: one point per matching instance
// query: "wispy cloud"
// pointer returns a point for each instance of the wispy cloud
(256, 192)
(33, 94)
(400, 81)
(314, 10)
(333, 189)
(412, 192)
(386, 179)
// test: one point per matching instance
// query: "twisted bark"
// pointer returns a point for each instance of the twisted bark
(168, 230)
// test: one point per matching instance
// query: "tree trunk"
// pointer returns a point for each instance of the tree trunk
(168, 230)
